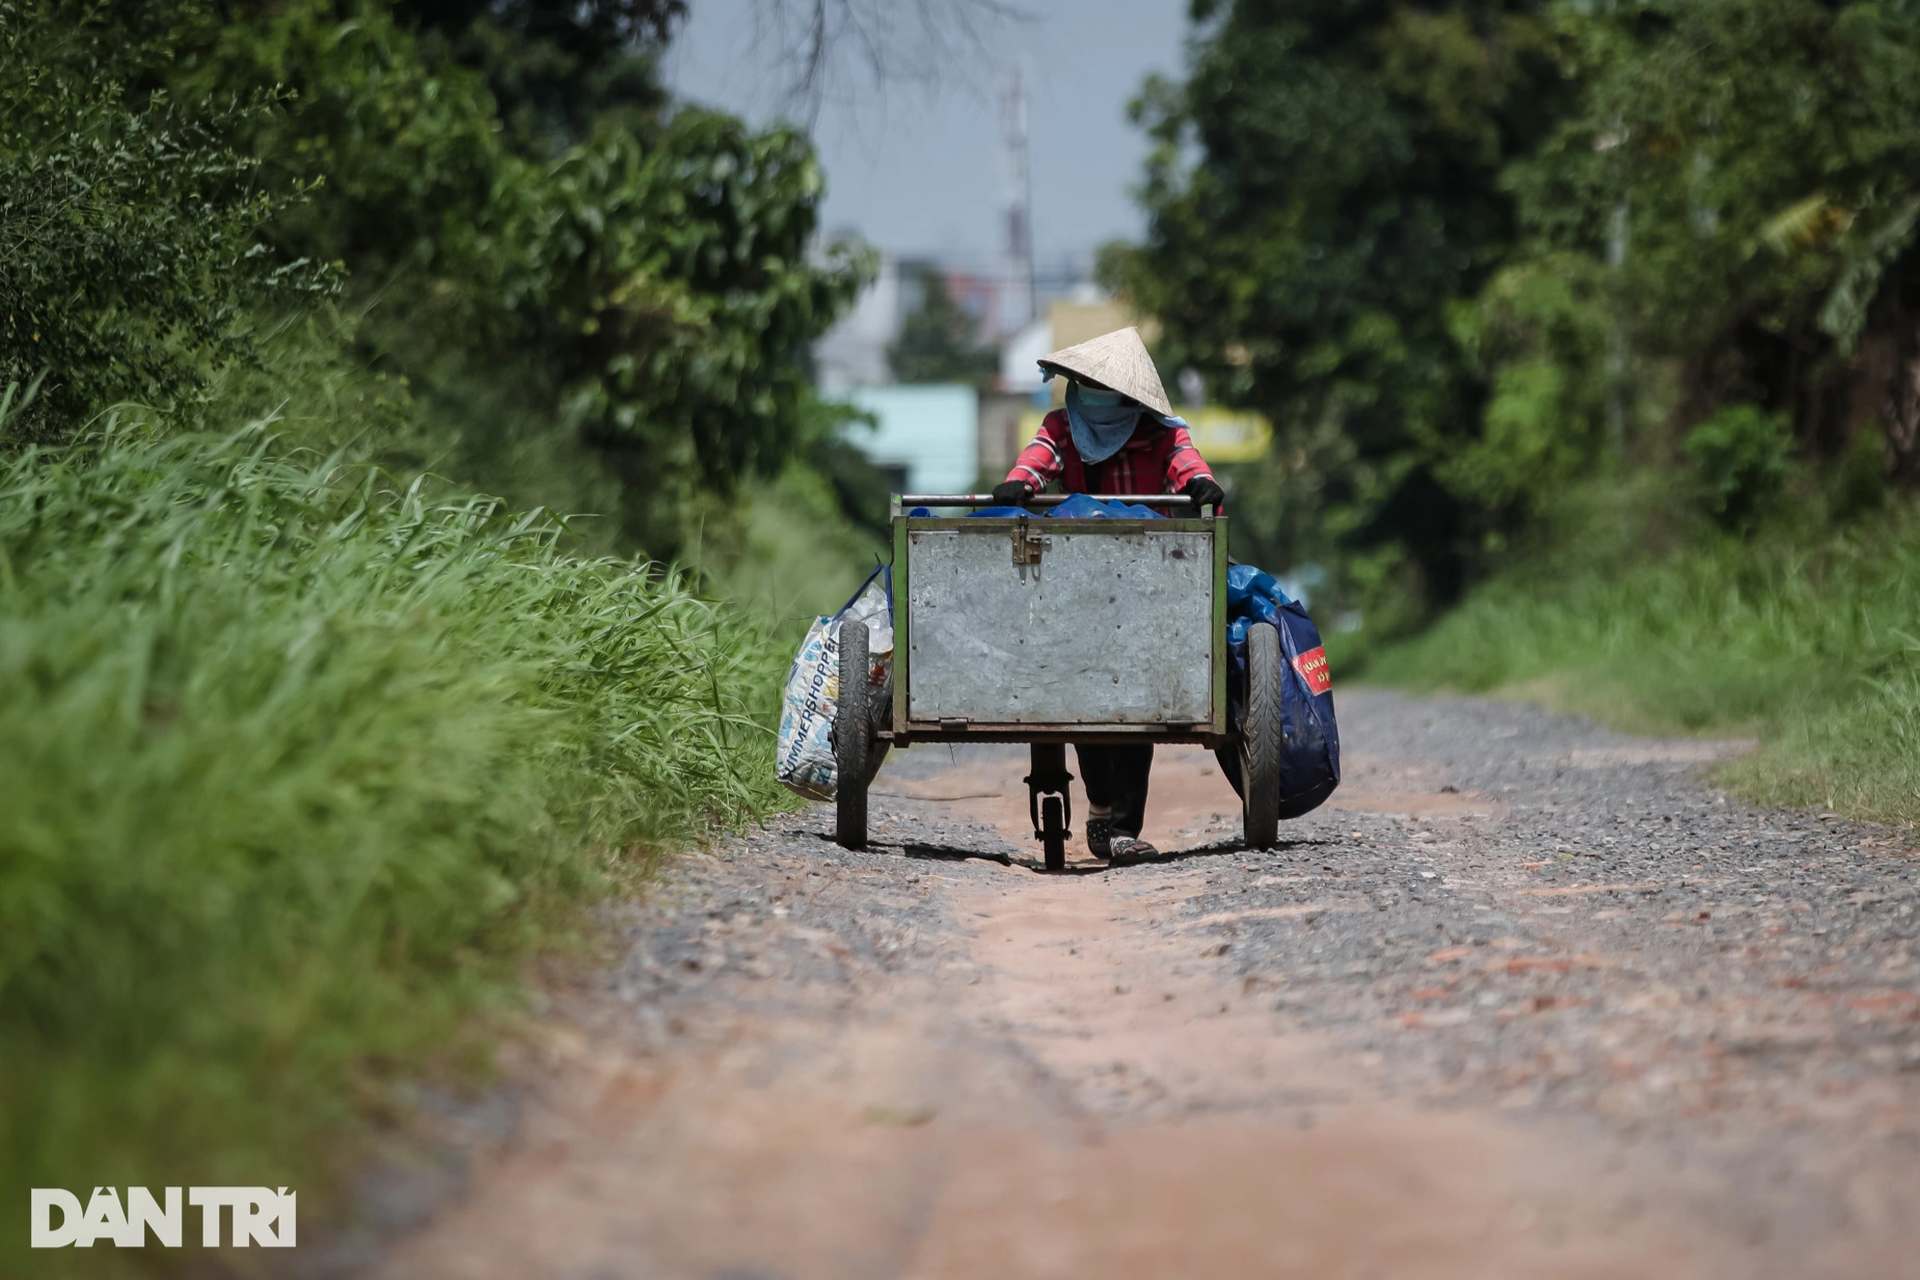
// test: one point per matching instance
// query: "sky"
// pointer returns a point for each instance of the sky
(915, 165)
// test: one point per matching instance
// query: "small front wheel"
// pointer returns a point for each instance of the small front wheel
(1260, 738)
(1053, 833)
(852, 738)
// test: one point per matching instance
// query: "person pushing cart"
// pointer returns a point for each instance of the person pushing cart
(1117, 435)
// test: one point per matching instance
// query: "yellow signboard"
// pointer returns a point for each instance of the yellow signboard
(1221, 435)
(1229, 435)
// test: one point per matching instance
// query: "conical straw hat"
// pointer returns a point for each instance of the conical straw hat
(1118, 360)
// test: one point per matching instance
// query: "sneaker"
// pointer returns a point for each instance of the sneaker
(1129, 849)
(1099, 836)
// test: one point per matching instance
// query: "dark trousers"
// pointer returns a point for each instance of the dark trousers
(1116, 777)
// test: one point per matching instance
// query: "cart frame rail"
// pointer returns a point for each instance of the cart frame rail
(1029, 546)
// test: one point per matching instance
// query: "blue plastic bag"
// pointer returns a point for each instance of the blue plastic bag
(1254, 595)
(1083, 506)
(1310, 738)
(1078, 506)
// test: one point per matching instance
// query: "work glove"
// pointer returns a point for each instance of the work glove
(1205, 492)
(1012, 493)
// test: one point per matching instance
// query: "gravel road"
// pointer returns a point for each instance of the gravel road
(1527, 998)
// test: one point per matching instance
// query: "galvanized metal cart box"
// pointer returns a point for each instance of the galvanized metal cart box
(1043, 630)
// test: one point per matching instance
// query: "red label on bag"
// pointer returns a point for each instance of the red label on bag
(1312, 666)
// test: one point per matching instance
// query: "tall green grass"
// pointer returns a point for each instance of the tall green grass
(1809, 642)
(786, 551)
(294, 760)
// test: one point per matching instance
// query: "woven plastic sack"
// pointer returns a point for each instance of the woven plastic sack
(803, 754)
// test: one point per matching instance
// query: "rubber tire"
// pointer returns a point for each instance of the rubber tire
(1053, 833)
(852, 739)
(1261, 735)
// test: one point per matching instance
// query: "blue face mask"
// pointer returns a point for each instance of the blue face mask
(1102, 421)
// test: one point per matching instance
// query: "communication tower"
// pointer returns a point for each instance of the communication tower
(1017, 304)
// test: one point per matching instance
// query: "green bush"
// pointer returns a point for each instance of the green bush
(1739, 458)
(295, 760)
(129, 234)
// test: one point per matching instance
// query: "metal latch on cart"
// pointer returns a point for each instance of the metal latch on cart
(1027, 548)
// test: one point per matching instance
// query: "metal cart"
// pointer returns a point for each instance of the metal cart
(1051, 630)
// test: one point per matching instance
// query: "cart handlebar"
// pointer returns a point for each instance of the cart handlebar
(1041, 499)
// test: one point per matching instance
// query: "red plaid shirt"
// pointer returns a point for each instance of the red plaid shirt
(1156, 459)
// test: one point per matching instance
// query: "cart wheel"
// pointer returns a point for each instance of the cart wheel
(1053, 833)
(852, 739)
(1260, 739)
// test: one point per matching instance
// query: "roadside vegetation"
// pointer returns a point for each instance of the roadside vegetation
(1803, 637)
(394, 400)
(1591, 335)
(297, 756)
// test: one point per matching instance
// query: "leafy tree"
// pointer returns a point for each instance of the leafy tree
(1539, 336)
(1325, 189)
(129, 238)
(1472, 254)
(557, 68)
(642, 284)
(1747, 174)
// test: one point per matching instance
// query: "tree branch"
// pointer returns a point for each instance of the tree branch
(825, 42)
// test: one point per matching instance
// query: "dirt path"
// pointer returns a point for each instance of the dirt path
(1529, 999)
